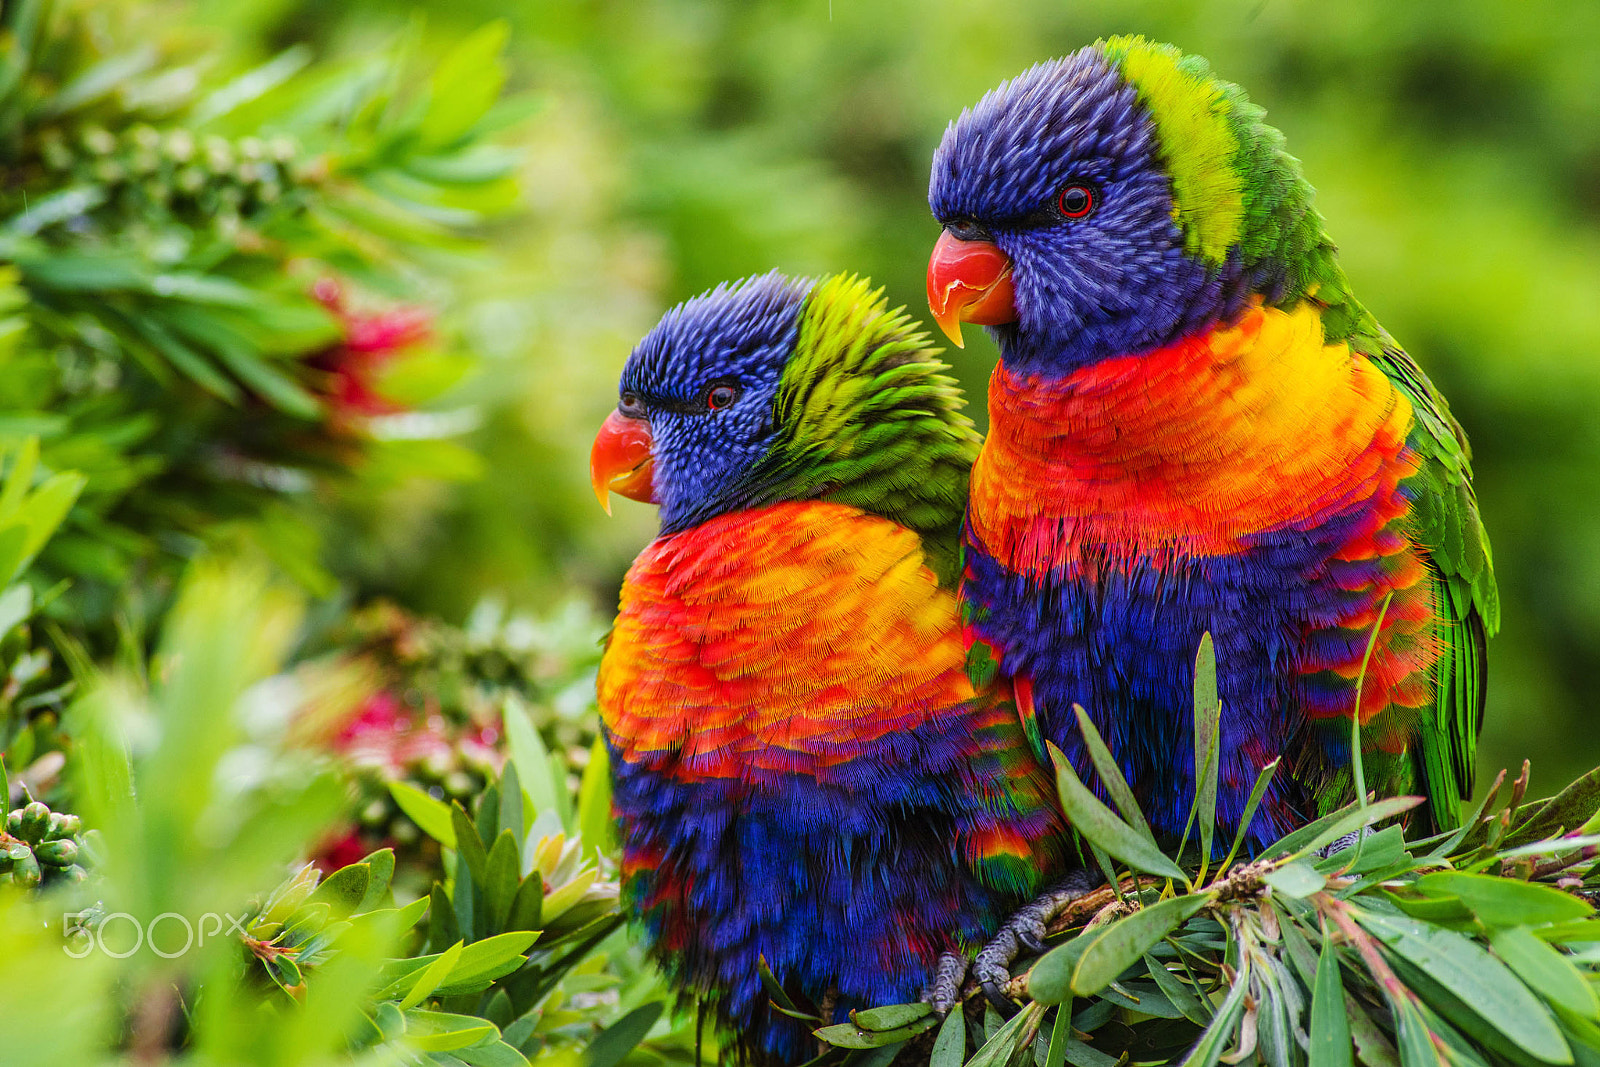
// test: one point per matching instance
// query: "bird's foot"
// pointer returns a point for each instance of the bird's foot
(1025, 931)
(1339, 844)
(945, 992)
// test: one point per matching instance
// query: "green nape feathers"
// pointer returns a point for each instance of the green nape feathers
(1236, 190)
(866, 416)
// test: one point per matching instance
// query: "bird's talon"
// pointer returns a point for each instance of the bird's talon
(996, 996)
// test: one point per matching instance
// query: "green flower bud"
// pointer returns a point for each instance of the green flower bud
(64, 825)
(26, 873)
(35, 821)
(57, 853)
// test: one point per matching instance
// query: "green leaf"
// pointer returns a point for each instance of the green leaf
(1547, 971)
(465, 84)
(950, 1046)
(511, 815)
(1348, 820)
(1482, 983)
(1050, 978)
(1564, 812)
(344, 889)
(1098, 824)
(1295, 880)
(617, 1040)
(1506, 901)
(531, 757)
(1060, 1035)
(381, 864)
(1207, 740)
(528, 905)
(1257, 791)
(491, 954)
(16, 603)
(494, 1054)
(1105, 765)
(1121, 944)
(428, 813)
(594, 802)
(889, 1017)
(437, 1031)
(1179, 992)
(1413, 1038)
(1209, 1048)
(501, 880)
(469, 846)
(1562, 933)
(849, 1035)
(1330, 1029)
(431, 977)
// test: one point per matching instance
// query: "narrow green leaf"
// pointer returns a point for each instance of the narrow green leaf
(1355, 818)
(501, 879)
(428, 813)
(1547, 971)
(950, 1047)
(1179, 992)
(1060, 1035)
(443, 929)
(1482, 983)
(531, 757)
(617, 1040)
(512, 816)
(1207, 741)
(437, 1031)
(430, 978)
(1564, 812)
(1119, 945)
(1105, 765)
(1506, 901)
(469, 846)
(1209, 1048)
(1097, 823)
(5, 788)
(1330, 1029)
(594, 802)
(528, 905)
(1257, 791)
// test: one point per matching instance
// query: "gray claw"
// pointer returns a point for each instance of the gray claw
(1025, 930)
(945, 993)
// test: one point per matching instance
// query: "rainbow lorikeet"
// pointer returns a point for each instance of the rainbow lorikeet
(804, 773)
(1195, 426)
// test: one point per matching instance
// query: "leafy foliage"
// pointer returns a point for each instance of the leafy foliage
(1466, 948)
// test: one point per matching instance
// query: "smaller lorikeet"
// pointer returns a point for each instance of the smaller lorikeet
(804, 774)
(1196, 427)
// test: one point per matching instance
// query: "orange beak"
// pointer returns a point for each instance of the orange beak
(620, 461)
(969, 281)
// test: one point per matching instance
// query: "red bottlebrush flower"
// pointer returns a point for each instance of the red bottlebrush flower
(370, 341)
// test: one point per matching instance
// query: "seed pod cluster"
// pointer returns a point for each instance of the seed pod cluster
(145, 173)
(39, 846)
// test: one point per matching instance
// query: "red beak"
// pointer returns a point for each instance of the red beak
(969, 281)
(620, 460)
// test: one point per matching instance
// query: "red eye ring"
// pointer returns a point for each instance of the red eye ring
(721, 396)
(1076, 201)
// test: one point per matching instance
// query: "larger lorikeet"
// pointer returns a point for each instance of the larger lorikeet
(804, 773)
(1196, 426)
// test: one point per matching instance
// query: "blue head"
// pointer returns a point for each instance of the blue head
(695, 412)
(1109, 182)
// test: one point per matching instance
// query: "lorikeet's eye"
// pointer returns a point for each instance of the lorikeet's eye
(631, 406)
(1076, 201)
(721, 395)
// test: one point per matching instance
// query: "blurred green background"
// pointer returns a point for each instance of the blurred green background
(1455, 145)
